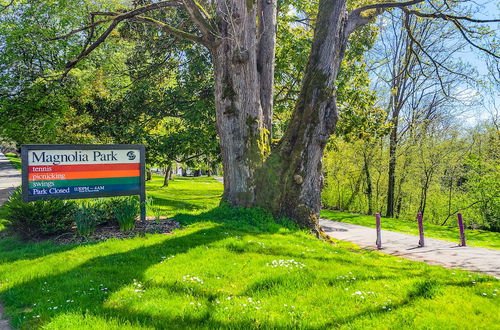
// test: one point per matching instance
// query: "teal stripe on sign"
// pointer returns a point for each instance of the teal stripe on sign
(84, 182)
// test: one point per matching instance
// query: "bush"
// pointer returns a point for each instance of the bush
(104, 210)
(126, 210)
(86, 220)
(40, 218)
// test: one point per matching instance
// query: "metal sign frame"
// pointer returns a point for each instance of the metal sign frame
(142, 161)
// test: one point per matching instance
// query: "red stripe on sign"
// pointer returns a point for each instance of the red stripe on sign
(83, 167)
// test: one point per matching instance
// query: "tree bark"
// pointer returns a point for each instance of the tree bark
(239, 111)
(291, 181)
(393, 144)
(168, 175)
(287, 181)
(369, 189)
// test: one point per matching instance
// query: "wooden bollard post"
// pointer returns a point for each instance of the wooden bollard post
(379, 239)
(461, 227)
(420, 230)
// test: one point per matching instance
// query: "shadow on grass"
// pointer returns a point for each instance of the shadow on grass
(426, 289)
(13, 249)
(178, 204)
(119, 270)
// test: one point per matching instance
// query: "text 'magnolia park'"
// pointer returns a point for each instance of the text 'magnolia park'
(82, 171)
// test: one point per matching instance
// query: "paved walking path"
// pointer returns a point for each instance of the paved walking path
(10, 178)
(435, 252)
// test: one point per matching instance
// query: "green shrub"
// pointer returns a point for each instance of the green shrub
(126, 210)
(104, 210)
(40, 218)
(86, 220)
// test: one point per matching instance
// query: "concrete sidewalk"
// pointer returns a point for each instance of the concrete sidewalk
(435, 252)
(10, 178)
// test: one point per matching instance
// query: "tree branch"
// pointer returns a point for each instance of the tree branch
(199, 16)
(356, 18)
(93, 46)
(448, 17)
(385, 5)
(4, 7)
(121, 16)
(462, 32)
(175, 31)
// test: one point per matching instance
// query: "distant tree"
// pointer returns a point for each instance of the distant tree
(418, 81)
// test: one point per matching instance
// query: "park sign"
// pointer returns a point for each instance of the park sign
(82, 171)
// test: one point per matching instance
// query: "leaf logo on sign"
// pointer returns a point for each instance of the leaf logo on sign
(131, 155)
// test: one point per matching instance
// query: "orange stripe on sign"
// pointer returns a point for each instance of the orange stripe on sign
(83, 167)
(82, 175)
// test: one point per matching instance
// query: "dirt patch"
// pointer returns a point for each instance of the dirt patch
(107, 231)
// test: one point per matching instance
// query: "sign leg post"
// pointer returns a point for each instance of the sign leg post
(421, 230)
(379, 239)
(143, 207)
(461, 227)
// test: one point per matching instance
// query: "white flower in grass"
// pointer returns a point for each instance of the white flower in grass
(291, 263)
(192, 279)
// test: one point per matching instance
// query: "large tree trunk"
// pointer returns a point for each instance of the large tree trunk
(243, 61)
(289, 180)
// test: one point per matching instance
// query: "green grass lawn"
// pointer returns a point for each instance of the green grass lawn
(232, 268)
(15, 161)
(473, 237)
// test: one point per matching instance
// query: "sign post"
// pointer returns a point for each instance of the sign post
(461, 227)
(420, 230)
(83, 171)
(379, 238)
